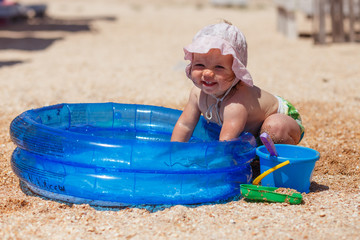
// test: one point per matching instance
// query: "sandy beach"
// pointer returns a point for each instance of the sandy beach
(131, 52)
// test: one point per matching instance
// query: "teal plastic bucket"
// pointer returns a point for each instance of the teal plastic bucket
(296, 175)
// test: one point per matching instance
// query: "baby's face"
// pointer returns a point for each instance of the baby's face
(212, 72)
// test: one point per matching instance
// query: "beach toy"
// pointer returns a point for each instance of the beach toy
(296, 174)
(269, 144)
(258, 179)
(112, 154)
(270, 194)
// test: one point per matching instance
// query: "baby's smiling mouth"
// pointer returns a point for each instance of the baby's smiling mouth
(208, 84)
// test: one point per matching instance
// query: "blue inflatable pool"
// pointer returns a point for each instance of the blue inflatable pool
(112, 154)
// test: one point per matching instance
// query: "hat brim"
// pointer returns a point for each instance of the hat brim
(204, 44)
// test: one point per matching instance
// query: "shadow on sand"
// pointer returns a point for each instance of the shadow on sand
(315, 187)
(26, 30)
(26, 43)
(10, 63)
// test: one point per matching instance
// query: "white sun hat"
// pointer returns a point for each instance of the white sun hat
(230, 40)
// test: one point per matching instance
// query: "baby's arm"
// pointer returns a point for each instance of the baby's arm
(235, 117)
(188, 120)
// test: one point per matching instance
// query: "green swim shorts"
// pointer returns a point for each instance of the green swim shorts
(285, 107)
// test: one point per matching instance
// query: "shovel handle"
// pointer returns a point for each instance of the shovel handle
(269, 144)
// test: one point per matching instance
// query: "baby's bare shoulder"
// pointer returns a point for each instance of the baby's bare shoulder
(195, 91)
(268, 102)
(255, 99)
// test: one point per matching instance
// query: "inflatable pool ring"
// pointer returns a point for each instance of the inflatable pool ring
(112, 154)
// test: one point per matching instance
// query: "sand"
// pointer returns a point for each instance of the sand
(131, 52)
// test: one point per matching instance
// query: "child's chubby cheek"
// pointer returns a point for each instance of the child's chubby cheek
(195, 79)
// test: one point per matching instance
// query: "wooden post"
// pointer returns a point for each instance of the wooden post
(291, 29)
(351, 21)
(319, 22)
(337, 20)
(281, 19)
(286, 18)
(290, 16)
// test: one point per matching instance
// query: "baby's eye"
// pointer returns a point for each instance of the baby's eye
(199, 65)
(219, 67)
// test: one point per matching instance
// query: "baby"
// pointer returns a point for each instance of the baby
(224, 92)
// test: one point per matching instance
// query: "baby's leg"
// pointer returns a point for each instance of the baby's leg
(282, 129)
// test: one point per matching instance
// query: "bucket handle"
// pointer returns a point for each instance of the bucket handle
(264, 174)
